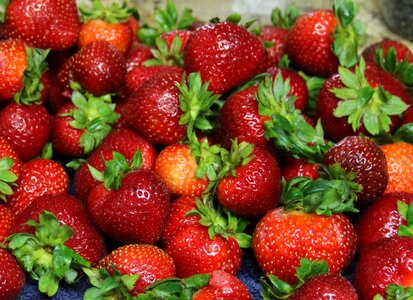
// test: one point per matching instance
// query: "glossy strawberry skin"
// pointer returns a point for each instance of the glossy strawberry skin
(134, 213)
(154, 109)
(53, 24)
(364, 157)
(39, 177)
(334, 286)
(191, 247)
(137, 55)
(402, 51)
(86, 240)
(26, 128)
(12, 277)
(150, 262)
(293, 167)
(7, 217)
(278, 36)
(381, 219)
(256, 187)
(225, 54)
(183, 34)
(224, 286)
(382, 263)
(282, 238)
(309, 43)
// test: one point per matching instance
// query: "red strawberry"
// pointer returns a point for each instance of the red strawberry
(225, 54)
(293, 167)
(137, 55)
(39, 177)
(12, 277)
(149, 262)
(381, 219)
(170, 36)
(47, 24)
(120, 140)
(7, 217)
(223, 285)
(86, 240)
(364, 157)
(387, 261)
(99, 68)
(26, 128)
(132, 204)
(402, 51)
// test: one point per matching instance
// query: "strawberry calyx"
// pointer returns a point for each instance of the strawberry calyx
(32, 85)
(116, 169)
(94, 115)
(314, 84)
(396, 292)
(401, 70)
(44, 256)
(164, 55)
(284, 20)
(167, 19)
(7, 178)
(175, 288)
(363, 103)
(240, 154)
(221, 222)
(406, 212)
(349, 33)
(107, 285)
(114, 14)
(335, 191)
(274, 288)
(287, 127)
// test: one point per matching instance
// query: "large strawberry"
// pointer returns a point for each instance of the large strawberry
(132, 204)
(47, 24)
(12, 276)
(224, 53)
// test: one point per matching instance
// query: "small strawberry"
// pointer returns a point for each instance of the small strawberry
(293, 167)
(39, 177)
(7, 217)
(48, 24)
(12, 276)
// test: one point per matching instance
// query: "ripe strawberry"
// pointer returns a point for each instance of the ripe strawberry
(26, 128)
(399, 157)
(178, 168)
(149, 262)
(293, 167)
(320, 40)
(39, 177)
(387, 261)
(225, 54)
(381, 219)
(364, 157)
(48, 24)
(86, 240)
(132, 204)
(401, 50)
(12, 276)
(7, 217)
(121, 140)
(183, 34)
(137, 55)
(99, 68)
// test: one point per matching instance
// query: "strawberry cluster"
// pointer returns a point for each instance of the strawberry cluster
(148, 158)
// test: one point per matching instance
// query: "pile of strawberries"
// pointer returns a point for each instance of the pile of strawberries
(147, 158)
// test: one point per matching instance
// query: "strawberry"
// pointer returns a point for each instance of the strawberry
(402, 52)
(99, 68)
(367, 160)
(137, 55)
(86, 240)
(7, 217)
(109, 24)
(121, 140)
(39, 177)
(148, 262)
(320, 40)
(132, 204)
(48, 24)
(382, 218)
(11, 276)
(293, 167)
(39, 253)
(228, 66)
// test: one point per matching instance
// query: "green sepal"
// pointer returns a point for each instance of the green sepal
(47, 151)
(401, 70)
(7, 178)
(252, 82)
(396, 292)
(3, 6)
(364, 104)
(240, 154)
(287, 19)
(164, 55)
(44, 256)
(116, 13)
(404, 133)
(32, 85)
(406, 212)
(314, 85)
(74, 164)
(167, 20)
(349, 34)
(287, 127)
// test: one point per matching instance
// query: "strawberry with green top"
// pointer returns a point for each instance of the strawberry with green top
(11, 276)
(132, 204)
(314, 282)
(44, 256)
(80, 127)
(321, 40)
(394, 291)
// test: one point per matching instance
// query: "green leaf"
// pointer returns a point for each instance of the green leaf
(116, 13)
(310, 268)
(274, 288)
(404, 133)
(48, 283)
(197, 281)
(287, 19)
